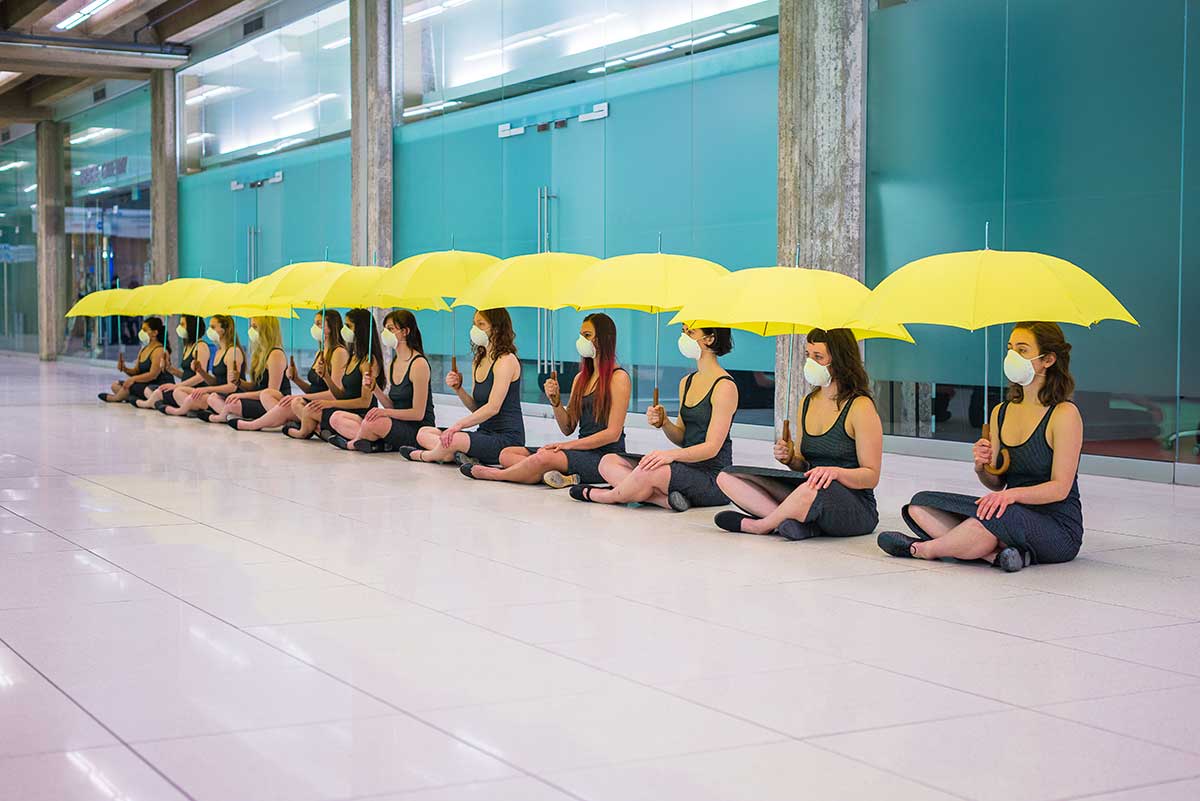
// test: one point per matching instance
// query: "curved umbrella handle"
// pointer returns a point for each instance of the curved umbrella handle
(787, 437)
(1004, 460)
(655, 401)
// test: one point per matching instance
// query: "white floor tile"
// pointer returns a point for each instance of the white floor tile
(1174, 648)
(1155, 716)
(96, 774)
(35, 717)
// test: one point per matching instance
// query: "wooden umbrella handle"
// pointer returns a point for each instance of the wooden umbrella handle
(1002, 467)
(454, 364)
(655, 401)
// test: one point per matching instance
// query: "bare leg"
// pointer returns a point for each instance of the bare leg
(281, 413)
(934, 522)
(513, 456)
(117, 393)
(968, 540)
(794, 507)
(187, 400)
(309, 420)
(155, 397)
(756, 496)
(346, 424)
(374, 430)
(527, 471)
(429, 439)
(637, 486)
(218, 405)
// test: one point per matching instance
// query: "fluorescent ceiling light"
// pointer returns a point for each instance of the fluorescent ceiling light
(432, 11)
(284, 56)
(92, 134)
(99, 189)
(335, 45)
(565, 31)
(30, 188)
(312, 102)
(295, 140)
(82, 14)
(205, 92)
(597, 70)
(658, 51)
(742, 28)
(12, 165)
(525, 42)
(697, 41)
(193, 138)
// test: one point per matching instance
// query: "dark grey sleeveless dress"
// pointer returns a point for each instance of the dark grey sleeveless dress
(697, 481)
(252, 408)
(504, 430)
(837, 510)
(185, 366)
(404, 432)
(586, 464)
(140, 389)
(351, 388)
(1051, 532)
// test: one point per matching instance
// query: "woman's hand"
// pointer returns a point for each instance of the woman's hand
(553, 393)
(555, 447)
(447, 437)
(982, 452)
(292, 372)
(320, 367)
(454, 379)
(369, 381)
(175, 371)
(128, 383)
(121, 362)
(783, 452)
(375, 413)
(993, 504)
(656, 416)
(655, 459)
(821, 477)
(318, 405)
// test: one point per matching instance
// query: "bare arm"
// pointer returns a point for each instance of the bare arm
(724, 404)
(1066, 438)
(504, 372)
(621, 389)
(674, 430)
(864, 426)
(364, 396)
(989, 481)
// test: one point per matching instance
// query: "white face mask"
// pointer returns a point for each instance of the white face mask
(388, 338)
(212, 335)
(348, 334)
(689, 347)
(315, 332)
(478, 338)
(181, 331)
(1018, 369)
(585, 347)
(816, 374)
(253, 336)
(144, 337)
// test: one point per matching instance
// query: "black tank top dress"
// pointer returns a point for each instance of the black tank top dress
(506, 429)
(220, 372)
(837, 511)
(351, 388)
(140, 389)
(1048, 533)
(185, 365)
(698, 480)
(400, 393)
(252, 408)
(586, 464)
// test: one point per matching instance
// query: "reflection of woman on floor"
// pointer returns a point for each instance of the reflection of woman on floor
(407, 405)
(150, 370)
(268, 369)
(1032, 513)
(191, 335)
(494, 402)
(328, 365)
(831, 491)
(599, 400)
(685, 476)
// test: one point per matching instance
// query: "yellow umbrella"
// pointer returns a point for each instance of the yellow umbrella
(178, 295)
(274, 289)
(646, 282)
(354, 287)
(780, 301)
(538, 280)
(979, 288)
(226, 298)
(140, 301)
(426, 275)
(99, 303)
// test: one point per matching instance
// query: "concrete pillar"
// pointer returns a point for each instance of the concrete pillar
(164, 178)
(374, 52)
(51, 241)
(822, 83)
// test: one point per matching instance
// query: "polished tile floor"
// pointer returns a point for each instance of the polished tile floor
(190, 613)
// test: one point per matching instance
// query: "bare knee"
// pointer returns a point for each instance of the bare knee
(729, 483)
(612, 466)
(428, 437)
(514, 455)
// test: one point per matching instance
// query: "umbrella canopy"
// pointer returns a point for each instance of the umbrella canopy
(178, 295)
(227, 299)
(344, 287)
(648, 282)
(277, 288)
(441, 273)
(978, 288)
(774, 301)
(540, 280)
(142, 301)
(99, 303)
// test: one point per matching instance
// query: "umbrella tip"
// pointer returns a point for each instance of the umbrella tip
(987, 228)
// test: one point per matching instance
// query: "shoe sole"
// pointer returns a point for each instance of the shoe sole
(556, 480)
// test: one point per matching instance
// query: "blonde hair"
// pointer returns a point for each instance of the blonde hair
(269, 339)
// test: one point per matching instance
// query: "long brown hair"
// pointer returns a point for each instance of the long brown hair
(230, 339)
(604, 363)
(501, 340)
(331, 321)
(1059, 384)
(845, 362)
(407, 321)
(366, 343)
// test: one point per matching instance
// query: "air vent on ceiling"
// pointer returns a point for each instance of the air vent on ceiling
(252, 25)
(99, 94)
(5, 135)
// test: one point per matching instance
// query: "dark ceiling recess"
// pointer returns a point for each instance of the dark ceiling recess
(252, 26)
(99, 94)
(890, 3)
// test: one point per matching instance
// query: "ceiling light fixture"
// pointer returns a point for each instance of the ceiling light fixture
(12, 165)
(82, 14)
(741, 28)
(658, 51)
(335, 45)
(99, 190)
(312, 102)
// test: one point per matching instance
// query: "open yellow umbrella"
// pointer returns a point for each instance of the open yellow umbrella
(227, 298)
(980, 288)
(99, 303)
(538, 280)
(646, 282)
(178, 295)
(140, 301)
(276, 289)
(780, 301)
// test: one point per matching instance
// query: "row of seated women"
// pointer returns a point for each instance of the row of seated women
(355, 400)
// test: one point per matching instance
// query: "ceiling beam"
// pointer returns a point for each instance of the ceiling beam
(16, 110)
(85, 55)
(81, 70)
(24, 14)
(53, 89)
(184, 20)
(118, 15)
(11, 79)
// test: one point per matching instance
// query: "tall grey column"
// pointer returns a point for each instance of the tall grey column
(51, 240)
(374, 53)
(822, 81)
(164, 178)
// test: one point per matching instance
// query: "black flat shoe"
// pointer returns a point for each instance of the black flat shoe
(161, 406)
(202, 414)
(730, 521)
(794, 530)
(1010, 560)
(233, 423)
(581, 492)
(102, 396)
(677, 501)
(462, 459)
(465, 469)
(363, 446)
(289, 427)
(894, 543)
(338, 441)
(407, 452)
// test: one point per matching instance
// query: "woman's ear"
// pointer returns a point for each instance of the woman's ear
(1049, 359)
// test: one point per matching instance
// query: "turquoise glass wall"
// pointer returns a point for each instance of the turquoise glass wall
(1062, 124)
(18, 245)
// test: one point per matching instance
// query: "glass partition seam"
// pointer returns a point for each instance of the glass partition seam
(1179, 424)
